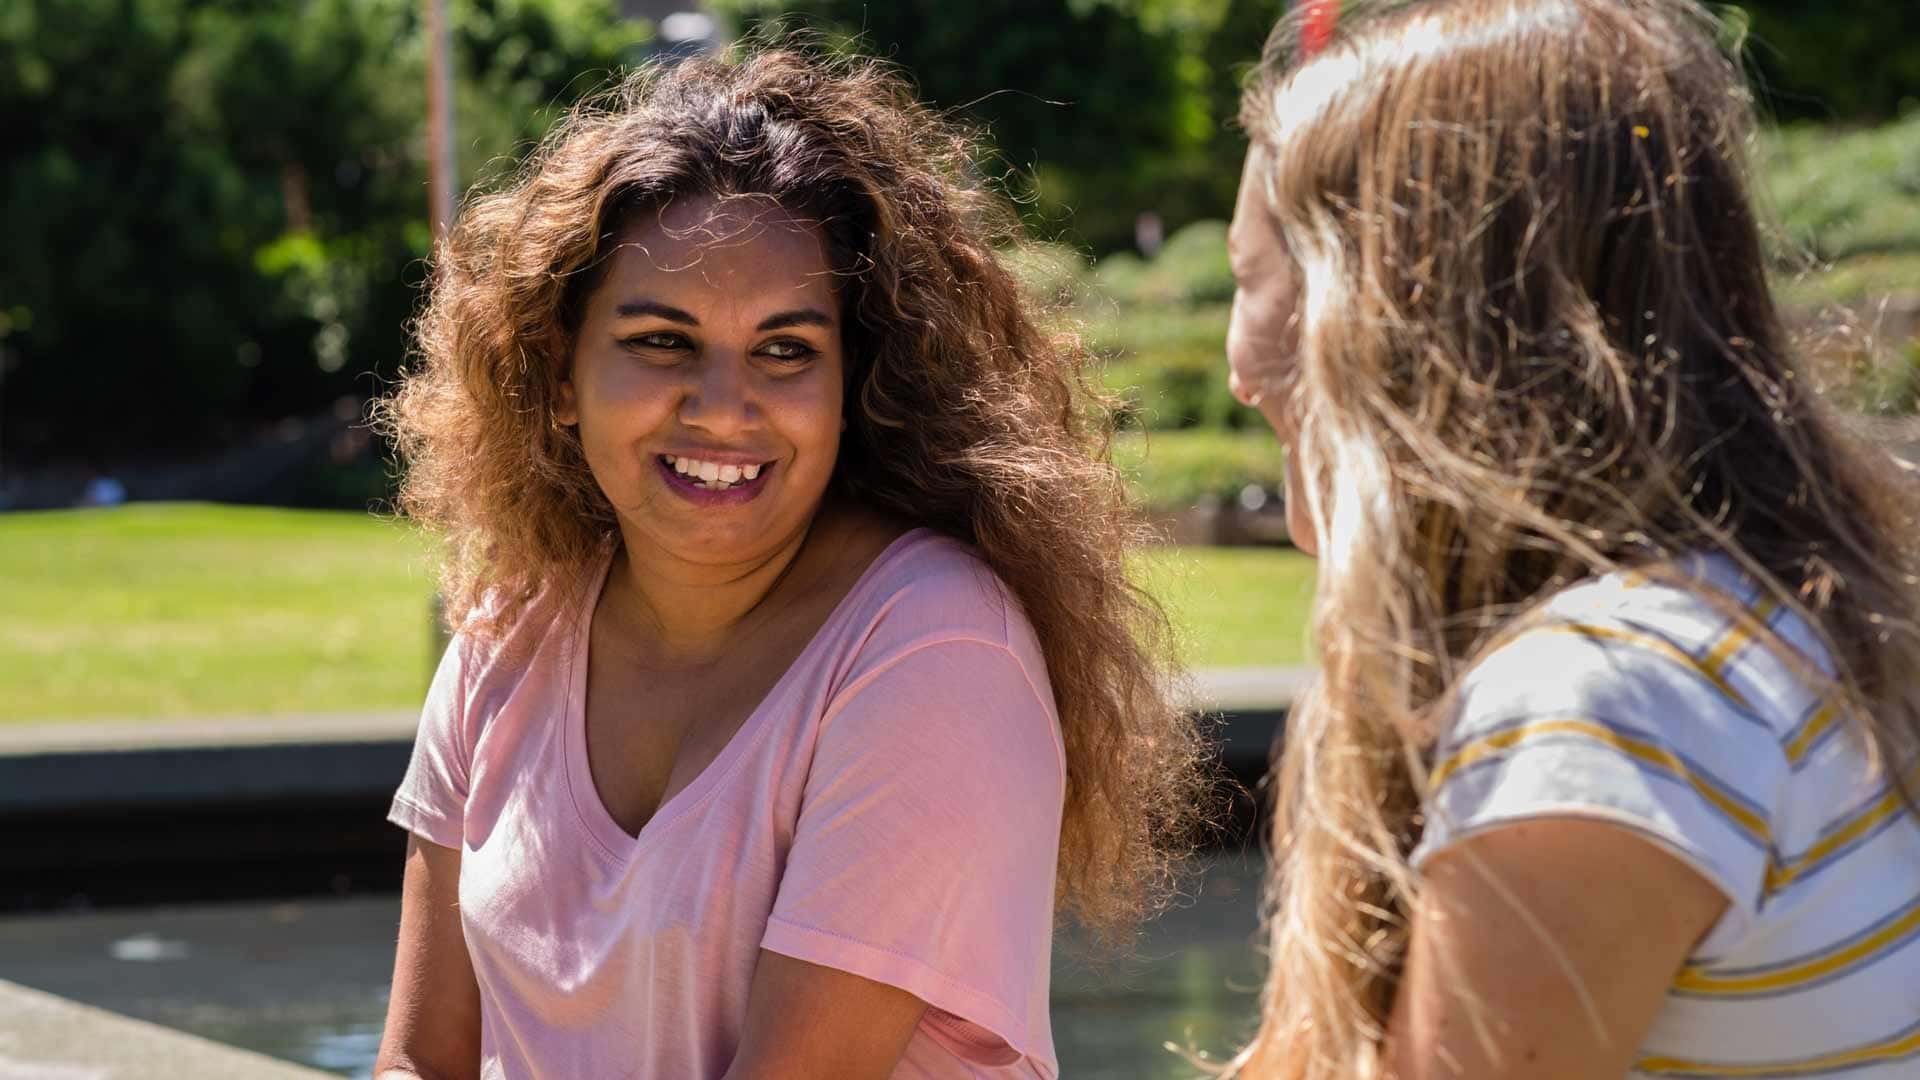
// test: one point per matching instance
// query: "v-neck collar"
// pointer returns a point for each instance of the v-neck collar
(607, 833)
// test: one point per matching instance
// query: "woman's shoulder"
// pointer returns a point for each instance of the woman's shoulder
(1685, 599)
(1695, 636)
(926, 583)
(932, 602)
(510, 632)
(932, 633)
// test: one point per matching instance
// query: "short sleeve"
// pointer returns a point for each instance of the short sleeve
(926, 846)
(432, 798)
(1568, 722)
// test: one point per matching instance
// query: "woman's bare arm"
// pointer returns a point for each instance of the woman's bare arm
(1544, 948)
(433, 1016)
(808, 1022)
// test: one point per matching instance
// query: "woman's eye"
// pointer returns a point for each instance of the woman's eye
(655, 341)
(788, 351)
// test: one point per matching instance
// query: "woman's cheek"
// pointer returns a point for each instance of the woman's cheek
(1299, 518)
(1259, 357)
(809, 411)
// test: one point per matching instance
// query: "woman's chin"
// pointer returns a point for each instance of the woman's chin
(1303, 540)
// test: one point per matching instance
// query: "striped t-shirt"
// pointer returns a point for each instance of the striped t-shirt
(1645, 704)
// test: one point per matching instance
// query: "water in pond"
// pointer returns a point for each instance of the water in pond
(307, 980)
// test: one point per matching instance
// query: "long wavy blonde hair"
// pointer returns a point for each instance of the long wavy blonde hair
(964, 415)
(1537, 344)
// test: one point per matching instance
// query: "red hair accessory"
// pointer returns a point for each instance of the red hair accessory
(1317, 30)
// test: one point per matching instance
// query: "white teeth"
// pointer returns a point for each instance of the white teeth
(711, 475)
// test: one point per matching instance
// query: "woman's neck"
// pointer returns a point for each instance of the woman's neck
(674, 613)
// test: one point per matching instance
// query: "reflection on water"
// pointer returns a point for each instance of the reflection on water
(307, 981)
(1193, 983)
(304, 981)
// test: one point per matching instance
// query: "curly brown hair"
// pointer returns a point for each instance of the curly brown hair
(964, 414)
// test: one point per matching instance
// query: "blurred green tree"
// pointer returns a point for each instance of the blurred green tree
(1097, 109)
(215, 212)
(215, 209)
(1857, 61)
(1102, 109)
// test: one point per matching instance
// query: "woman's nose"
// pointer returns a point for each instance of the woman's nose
(1242, 393)
(719, 396)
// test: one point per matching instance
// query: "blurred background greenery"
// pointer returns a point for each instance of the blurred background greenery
(215, 214)
(215, 211)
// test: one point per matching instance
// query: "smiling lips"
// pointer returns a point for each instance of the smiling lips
(711, 475)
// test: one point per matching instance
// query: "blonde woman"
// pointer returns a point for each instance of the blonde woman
(799, 682)
(1608, 773)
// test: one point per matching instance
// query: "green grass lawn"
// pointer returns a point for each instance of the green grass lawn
(1176, 468)
(189, 610)
(180, 610)
(1236, 607)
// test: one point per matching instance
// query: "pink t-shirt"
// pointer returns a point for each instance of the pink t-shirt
(892, 809)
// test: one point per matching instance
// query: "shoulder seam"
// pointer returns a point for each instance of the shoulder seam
(1646, 641)
(923, 645)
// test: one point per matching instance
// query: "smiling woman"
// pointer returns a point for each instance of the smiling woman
(798, 680)
(709, 369)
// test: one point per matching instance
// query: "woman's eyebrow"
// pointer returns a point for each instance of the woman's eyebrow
(796, 317)
(633, 309)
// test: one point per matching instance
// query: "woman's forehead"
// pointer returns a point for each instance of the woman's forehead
(1254, 233)
(699, 226)
(733, 247)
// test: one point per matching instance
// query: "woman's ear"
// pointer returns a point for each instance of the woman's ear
(566, 411)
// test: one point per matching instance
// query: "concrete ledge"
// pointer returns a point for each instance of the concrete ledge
(121, 765)
(81, 736)
(1234, 691)
(50, 1038)
(106, 814)
(107, 779)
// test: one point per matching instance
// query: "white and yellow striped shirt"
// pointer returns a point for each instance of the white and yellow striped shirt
(1644, 704)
